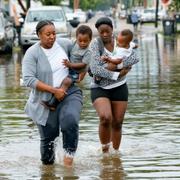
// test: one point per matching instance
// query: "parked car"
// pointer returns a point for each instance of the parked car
(7, 34)
(81, 15)
(90, 14)
(34, 15)
(147, 15)
(68, 12)
(4, 13)
(162, 14)
(122, 14)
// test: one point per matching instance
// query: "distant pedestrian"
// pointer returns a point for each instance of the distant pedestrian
(135, 20)
(16, 23)
(114, 15)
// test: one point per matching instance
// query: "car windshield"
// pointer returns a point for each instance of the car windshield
(51, 15)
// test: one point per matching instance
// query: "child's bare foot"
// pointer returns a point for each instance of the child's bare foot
(68, 161)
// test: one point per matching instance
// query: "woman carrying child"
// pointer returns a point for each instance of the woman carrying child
(44, 71)
(110, 94)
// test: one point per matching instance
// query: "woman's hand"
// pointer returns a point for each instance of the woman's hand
(124, 71)
(105, 58)
(60, 93)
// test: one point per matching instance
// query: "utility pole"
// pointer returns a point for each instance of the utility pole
(76, 5)
(28, 4)
(145, 3)
(156, 15)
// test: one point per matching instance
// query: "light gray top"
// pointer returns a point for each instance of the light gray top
(79, 55)
(36, 67)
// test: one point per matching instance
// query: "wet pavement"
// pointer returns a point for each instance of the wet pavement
(150, 146)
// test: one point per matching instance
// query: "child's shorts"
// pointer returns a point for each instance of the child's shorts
(74, 75)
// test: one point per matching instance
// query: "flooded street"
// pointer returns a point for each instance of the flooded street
(150, 146)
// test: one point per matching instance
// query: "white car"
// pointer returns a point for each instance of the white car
(80, 15)
(148, 15)
(69, 13)
(162, 14)
(7, 34)
(34, 15)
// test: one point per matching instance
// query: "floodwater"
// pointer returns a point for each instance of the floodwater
(150, 147)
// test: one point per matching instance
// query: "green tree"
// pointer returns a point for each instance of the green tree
(175, 6)
(51, 2)
(88, 4)
(92, 4)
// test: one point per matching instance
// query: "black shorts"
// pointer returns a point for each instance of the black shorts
(119, 93)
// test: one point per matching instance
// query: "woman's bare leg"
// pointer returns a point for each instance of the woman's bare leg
(118, 111)
(103, 109)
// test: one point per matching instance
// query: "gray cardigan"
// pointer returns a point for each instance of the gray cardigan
(36, 67)
(97, 68)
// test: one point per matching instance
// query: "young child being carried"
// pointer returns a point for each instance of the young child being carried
(78, 63)
(122, 50)
(118, 59)
(80, 54)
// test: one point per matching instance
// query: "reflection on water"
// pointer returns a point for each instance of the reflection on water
(150, 146)
(111, 168)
